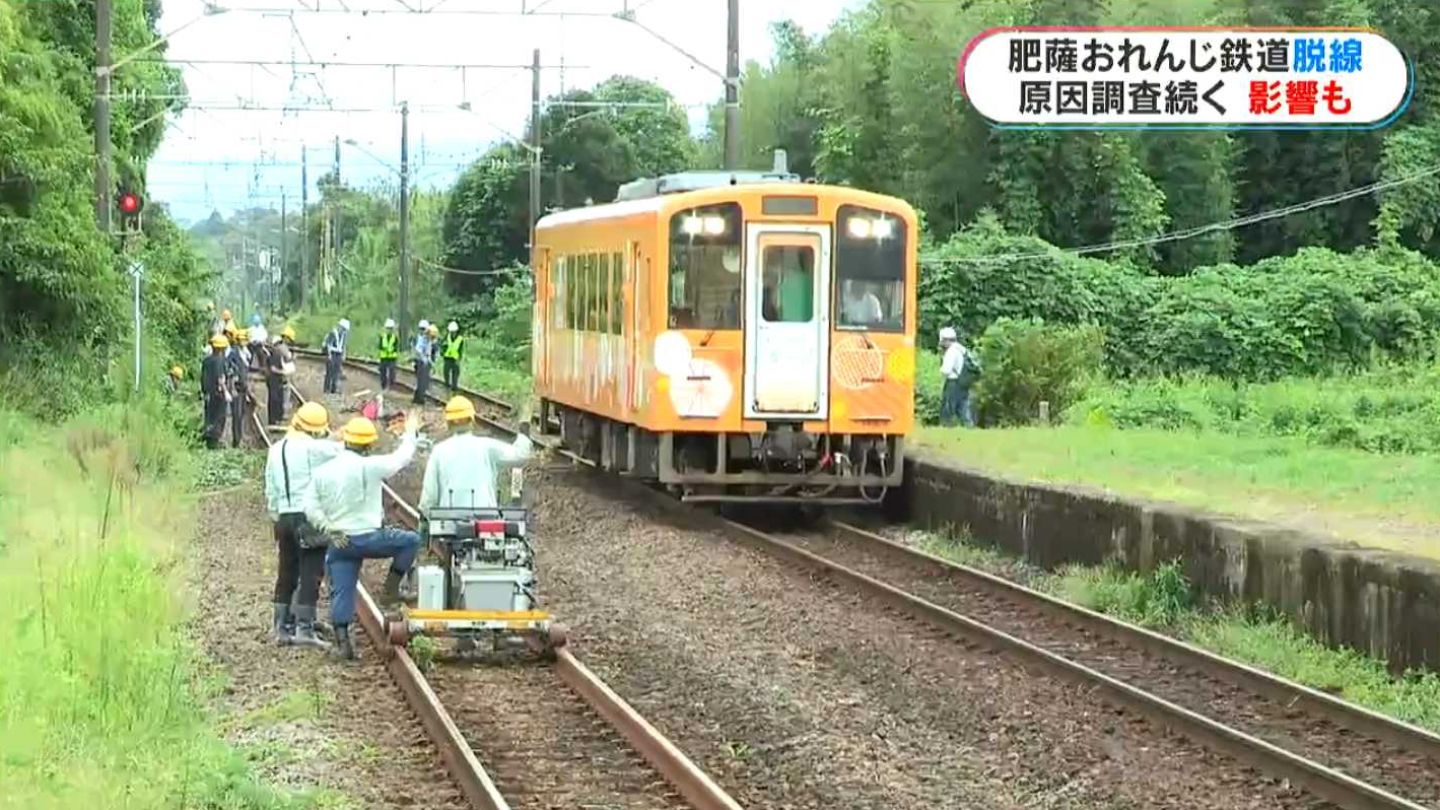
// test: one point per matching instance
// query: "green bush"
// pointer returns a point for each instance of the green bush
(1314, 312)
(1391, 408)
(1027, 362)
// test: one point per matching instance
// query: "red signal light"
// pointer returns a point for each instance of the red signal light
(129, 203)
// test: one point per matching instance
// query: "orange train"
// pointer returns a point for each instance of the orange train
(735, 336)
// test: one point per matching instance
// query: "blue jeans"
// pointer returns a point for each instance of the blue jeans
(955, 404)
(343, 565)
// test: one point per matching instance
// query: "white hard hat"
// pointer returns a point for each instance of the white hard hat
(453, 327)
(424, 324)
(389, 323)
(344, 323)
(947, 333)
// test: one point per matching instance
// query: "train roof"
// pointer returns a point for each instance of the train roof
(681, 182)
(700, 195)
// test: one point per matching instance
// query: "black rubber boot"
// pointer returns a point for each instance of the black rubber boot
(280, 634)
(305, 629)
(391, 594)
(344, 647)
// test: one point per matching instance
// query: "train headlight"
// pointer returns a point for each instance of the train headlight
(866, 228)
(714, 226)
(692, 226)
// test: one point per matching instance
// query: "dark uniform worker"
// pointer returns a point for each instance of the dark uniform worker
(214, 390)
(278, 365)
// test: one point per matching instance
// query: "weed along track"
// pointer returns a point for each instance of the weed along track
(532, 734)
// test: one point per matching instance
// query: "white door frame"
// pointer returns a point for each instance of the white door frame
(758, 330)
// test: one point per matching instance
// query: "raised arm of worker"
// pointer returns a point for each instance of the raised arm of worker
(393, 462)
(507, 453)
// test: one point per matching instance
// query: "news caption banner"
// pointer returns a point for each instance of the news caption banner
(1185, 78)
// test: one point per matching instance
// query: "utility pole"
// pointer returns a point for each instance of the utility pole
(102, 115)
(284, 238)
(534, 150)
(404, 309)
(732, 90)
(304, 224)
(339, 207)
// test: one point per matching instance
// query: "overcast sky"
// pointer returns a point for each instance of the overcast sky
(217, 158)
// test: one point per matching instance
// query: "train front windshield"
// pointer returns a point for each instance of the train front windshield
(869, 270)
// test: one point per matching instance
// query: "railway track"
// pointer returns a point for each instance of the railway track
(1343, 753)
(554, 735)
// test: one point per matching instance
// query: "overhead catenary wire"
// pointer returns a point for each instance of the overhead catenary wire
(1199, 230)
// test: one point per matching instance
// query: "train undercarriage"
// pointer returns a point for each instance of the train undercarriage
(782, 465)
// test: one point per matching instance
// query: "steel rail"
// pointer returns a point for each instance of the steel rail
(371, 366)
(664, 756)
(1322, 780)
(1281, 690)
(459, 758)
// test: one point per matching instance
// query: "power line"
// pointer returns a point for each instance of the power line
(340, 63)
(1200, 230)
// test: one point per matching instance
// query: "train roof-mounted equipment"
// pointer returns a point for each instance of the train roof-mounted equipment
(681, 182)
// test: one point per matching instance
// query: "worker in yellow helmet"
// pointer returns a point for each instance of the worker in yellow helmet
(237, 380)
(346, 503)
(215, 390)
(289, 470)
(461, 471)
(172, 380)
(279, 365)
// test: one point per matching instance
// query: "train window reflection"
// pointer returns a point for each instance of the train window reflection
(789, 279)
(705, 267)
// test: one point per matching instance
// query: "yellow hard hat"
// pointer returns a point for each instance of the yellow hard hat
(433, 330)
(360, 432)
(177, 372)
(288, 333)
(243, 335)
(311, 418)
(459, 409)
(224, 314)
(219, 342)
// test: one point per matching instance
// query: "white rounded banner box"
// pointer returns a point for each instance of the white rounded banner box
(1243, 78)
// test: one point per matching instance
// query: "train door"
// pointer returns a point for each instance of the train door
(787, 321)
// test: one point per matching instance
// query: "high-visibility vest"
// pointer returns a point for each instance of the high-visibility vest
(389, 346)
(452, 347)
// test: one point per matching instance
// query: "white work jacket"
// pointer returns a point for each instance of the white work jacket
(461, 471)
(303, 455)
(345, 495)
(953, 362)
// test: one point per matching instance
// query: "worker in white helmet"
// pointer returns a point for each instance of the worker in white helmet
(335, 355)
(452, 349)
(389, 353)
(958, 370)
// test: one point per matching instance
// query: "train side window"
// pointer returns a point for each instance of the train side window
(704, 267)
(562, 296)
(617, 294)
(602, 300)
(592, 292)
(789, 283)
(870, 251)
(576, 277)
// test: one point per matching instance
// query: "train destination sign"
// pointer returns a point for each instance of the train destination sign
(1102, 78)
